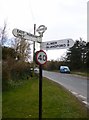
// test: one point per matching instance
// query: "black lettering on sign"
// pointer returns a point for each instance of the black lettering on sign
(20, 33)
(40, 57)
(48, 43)
(68, 43)
(53, 43)
(47, 47)
(62, 45)
(44, 57)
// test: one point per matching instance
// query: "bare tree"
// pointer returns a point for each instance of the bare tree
(3, 34)
(22, 48)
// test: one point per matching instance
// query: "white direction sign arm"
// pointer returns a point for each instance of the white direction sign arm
(25, 35)
(59, 44)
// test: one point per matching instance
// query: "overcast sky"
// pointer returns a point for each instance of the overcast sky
(63, 19)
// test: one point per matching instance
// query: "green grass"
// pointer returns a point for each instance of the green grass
(22, 102)
(81, 73)
(0, 105)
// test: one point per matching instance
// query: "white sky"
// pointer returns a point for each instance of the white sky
(63, 19)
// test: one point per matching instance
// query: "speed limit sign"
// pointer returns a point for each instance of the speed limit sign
(41, 57)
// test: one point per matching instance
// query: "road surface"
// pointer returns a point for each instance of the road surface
(74, 83)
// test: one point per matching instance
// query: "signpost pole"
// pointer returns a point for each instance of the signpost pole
(34, 47)
(40, 92)
(34, 35)
(41, 29)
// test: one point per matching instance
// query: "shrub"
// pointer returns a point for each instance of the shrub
(14, 72)
(5, 76)
(20, 70)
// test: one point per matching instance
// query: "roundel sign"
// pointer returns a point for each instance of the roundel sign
(41, 57)
(41, 29)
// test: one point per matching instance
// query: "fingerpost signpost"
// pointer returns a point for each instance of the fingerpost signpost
(40, 56)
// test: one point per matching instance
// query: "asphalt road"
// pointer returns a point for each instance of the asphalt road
(74, 83)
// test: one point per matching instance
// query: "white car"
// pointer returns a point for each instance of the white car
(36, 70)
(64, 69)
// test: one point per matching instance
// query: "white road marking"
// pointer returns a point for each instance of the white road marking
(81, 97)
(74, 93)
(85, 102)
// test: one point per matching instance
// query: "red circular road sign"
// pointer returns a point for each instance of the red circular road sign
(41, 57)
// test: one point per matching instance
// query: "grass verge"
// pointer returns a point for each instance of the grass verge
(22, 102)
(0, 105)
(85, 74)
